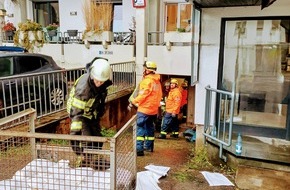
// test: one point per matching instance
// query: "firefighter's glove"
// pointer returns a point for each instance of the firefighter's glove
(173, 115)
(130, 106)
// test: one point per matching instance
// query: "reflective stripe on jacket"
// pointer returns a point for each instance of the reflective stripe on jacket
(149, 95)
(173, 101)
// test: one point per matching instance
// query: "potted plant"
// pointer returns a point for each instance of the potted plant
(9, 29)
(72, 33)
(52, 29)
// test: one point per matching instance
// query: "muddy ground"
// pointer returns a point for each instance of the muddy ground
(175, 153)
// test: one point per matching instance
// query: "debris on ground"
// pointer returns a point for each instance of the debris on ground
(216, 179)
(149, 179)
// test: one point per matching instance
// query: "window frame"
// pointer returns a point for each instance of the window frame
(178, 16)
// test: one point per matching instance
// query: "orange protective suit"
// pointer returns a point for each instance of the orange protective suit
(173, 101)
(149, 95)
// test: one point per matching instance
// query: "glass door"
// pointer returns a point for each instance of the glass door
(256, 57)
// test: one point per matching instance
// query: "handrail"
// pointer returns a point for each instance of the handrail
(223, 120)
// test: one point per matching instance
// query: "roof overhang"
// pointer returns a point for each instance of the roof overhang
(232, 3)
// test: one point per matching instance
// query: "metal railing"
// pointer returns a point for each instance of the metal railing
(155, 38)
(119, 38)
(47, 161)
(124, 38)
(221, 130)
(47, 92)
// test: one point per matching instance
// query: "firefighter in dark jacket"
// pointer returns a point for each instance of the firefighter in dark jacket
(86, 104)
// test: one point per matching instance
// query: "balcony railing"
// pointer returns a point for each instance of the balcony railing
(119, 38)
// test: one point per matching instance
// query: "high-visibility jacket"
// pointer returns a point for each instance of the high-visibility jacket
(86, 101)
(184, 97)
(173, 101)
(149, 95)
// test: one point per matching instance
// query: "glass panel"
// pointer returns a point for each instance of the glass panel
(185, 17)
(46, 13)
(171, 17)
(260, 67)
(195, 49)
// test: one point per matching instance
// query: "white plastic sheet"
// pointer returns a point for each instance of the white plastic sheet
(216, 179)
(149, 179)
(46, 175)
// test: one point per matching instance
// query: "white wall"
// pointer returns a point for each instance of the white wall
(12, 9)
(67, 21)
(128, 13)
(210, 43)
(77, 55)
(173, 62)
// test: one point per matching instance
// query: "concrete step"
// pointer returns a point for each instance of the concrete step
(255, 178)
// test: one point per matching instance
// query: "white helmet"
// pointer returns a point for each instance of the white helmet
(100, 70)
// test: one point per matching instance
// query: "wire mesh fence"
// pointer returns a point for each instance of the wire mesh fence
(43, 161)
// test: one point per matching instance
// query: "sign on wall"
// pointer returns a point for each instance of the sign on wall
(139, 3)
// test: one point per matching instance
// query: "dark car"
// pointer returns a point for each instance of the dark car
(29, 79)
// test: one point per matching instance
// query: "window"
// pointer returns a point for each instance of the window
(46, 13)
(178, 16)
(195, 49)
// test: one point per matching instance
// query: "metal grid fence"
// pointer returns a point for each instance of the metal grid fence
(42, 161)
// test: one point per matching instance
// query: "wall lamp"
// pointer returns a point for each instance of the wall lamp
(168, 45)
(87, 44)
(105, 44)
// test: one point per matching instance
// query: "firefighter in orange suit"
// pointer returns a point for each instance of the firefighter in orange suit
(147, 103)
(183, 106)
(172, 108)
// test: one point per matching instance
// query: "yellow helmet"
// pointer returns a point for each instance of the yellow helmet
(174, 81)
(151, 66)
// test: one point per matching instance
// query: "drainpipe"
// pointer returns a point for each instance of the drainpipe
(2, 15)
(26, 10)
(140, 41)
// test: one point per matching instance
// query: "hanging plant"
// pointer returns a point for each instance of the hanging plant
(8, 26)
(29, 35)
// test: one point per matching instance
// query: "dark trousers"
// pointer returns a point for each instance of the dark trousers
(145, 131)
(90, 128)
(169, 122)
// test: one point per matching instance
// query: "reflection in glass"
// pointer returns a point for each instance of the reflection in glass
(256, 59)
